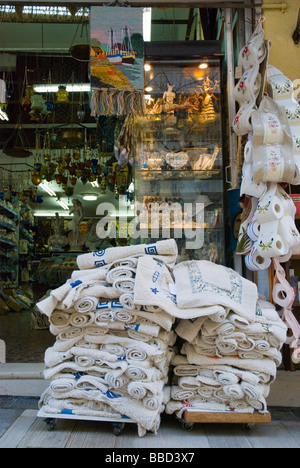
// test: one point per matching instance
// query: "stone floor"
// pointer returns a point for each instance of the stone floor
(20, 428)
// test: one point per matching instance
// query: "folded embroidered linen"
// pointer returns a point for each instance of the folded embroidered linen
(152, 288)
(197, 286)
(166, 250)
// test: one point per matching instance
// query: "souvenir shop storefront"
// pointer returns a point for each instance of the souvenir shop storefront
(149, 206)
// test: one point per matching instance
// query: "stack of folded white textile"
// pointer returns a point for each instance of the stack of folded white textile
(228, 359)
(111, 358)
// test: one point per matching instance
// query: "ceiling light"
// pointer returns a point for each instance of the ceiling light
(147, 67)
(44, 214)
(62, 204)
(47, 189)
(71, 88)
(147, 13)
(89, 197)
(149, 89)
(203, 66)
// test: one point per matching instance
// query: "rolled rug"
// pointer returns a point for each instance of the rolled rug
(82, 320)
(67, 339)
(136, 354)
(152, 402)
(226, 345)
(124, 316)
(116, 380)
(188, 383)
(126, 299)
(115, 349)
(138, 372)
(104, 316)
(95, 334)
(62, 385)
(205, 391)
(59, 318)
(120, 273)
(178, 393)
(233, 391)
(226, 378)
(91, 382)
(86, 304)
(124, 285)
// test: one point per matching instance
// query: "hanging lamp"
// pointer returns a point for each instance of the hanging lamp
(81, 52)
(17, 143)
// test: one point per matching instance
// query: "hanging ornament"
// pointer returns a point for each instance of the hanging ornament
(36, 178)
(62, 95)
(103, 185)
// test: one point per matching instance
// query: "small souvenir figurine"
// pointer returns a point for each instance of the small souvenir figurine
(76, 239)
(57, 241)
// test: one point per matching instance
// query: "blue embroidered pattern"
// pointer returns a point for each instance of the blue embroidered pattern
(99, 254)
(151, 249)
(154, 290)
(198, 285)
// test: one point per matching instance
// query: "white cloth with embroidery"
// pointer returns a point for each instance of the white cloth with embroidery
(154, 285)
(200, 283)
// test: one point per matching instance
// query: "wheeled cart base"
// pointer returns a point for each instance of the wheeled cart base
(248, 420)
(51, 420)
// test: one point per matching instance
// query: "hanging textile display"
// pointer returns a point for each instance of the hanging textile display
(117, 61)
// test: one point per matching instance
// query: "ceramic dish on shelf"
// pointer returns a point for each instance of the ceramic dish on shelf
(177, 160)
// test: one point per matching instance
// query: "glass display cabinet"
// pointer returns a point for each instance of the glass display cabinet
(178, 151)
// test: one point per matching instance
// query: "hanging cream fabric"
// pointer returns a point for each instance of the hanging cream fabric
(116, 61)
(273, 159)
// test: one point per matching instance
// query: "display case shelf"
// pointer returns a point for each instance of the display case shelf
(178, 153)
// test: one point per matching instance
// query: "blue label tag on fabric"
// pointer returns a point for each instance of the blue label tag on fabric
(76, 283)
(66, 411)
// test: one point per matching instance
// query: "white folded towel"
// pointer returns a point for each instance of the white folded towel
(165, 250)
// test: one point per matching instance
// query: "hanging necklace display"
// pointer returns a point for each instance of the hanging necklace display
(116, 61)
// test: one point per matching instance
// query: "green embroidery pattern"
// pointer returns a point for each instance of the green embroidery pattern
(198, 285)
(267, 245)
(263, 208)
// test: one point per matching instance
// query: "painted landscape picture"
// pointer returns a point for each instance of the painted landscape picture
(117, 53)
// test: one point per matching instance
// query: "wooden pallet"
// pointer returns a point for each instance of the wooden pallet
(199, 416)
